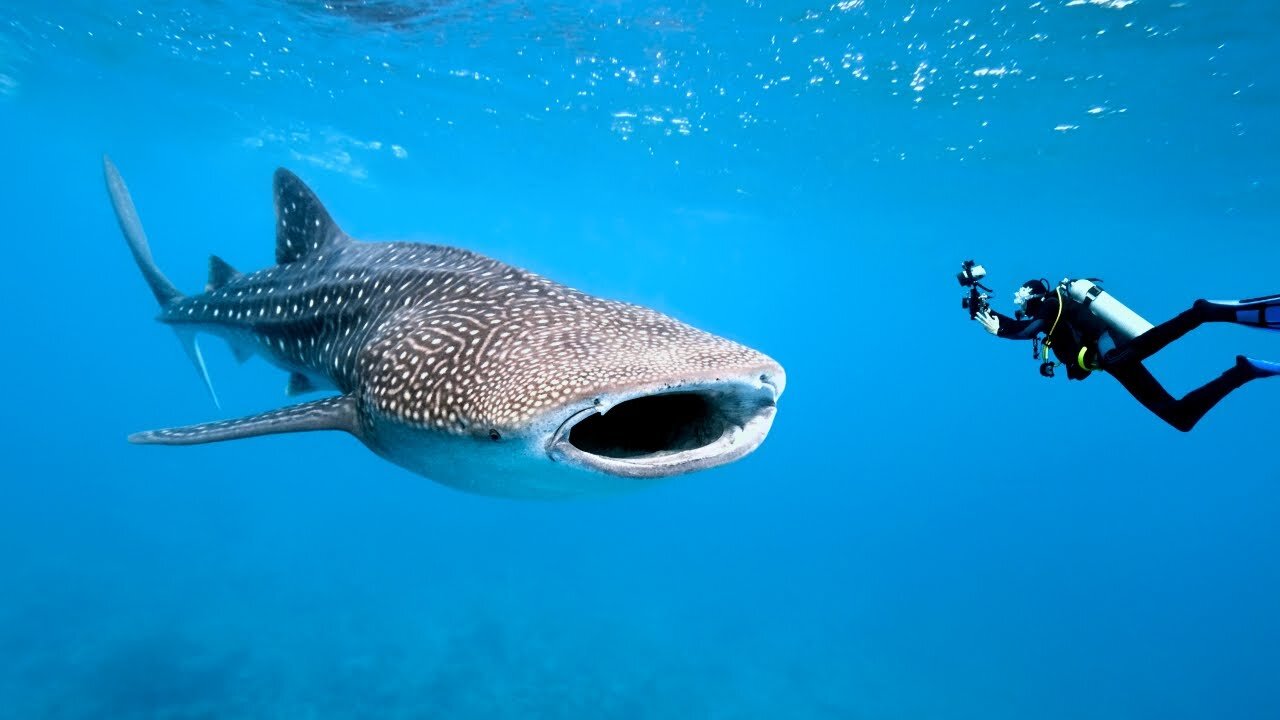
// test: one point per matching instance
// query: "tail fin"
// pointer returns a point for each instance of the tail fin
(164, 290)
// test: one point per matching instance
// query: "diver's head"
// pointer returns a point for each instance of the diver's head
(1030, 297)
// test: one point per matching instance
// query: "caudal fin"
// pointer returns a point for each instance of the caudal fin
(164, 290)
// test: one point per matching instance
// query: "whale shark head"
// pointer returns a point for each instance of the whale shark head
(563, 393)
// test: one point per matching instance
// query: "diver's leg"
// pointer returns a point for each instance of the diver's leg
(1154, 340)
(1184, 413)
(1263, 312)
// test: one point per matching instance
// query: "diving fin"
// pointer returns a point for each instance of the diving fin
(1259, 368)
(335, 413)
(1262, 312)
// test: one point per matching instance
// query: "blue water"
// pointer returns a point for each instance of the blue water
(931, 530)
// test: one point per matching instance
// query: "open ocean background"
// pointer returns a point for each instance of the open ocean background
(931, 530)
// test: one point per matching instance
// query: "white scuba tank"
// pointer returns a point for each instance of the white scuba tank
(1124, 323)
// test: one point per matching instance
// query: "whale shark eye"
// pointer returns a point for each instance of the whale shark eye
(494, 435)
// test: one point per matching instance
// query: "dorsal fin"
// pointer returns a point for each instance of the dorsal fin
(303, 226)
(220, 273)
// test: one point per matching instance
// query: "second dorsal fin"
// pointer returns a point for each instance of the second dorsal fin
(303, 226)
(220, 273)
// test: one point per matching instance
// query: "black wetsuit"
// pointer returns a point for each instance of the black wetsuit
(1067, 333)
(1078, 328)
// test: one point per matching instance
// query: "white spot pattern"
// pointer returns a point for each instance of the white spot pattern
(441, 337)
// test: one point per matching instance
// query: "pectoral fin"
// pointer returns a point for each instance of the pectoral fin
(336, 413)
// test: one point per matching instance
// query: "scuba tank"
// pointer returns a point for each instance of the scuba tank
(1123, 323)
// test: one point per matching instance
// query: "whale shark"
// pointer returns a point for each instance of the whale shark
(471, 372)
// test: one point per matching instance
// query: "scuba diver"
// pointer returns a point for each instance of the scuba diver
(1088, 329)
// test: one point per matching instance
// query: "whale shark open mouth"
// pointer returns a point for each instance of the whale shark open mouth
(668, 432)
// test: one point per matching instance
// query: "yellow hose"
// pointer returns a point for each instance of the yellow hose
(1048, 340)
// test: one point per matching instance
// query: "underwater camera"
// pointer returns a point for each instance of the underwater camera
(970, 273)
(969, 276)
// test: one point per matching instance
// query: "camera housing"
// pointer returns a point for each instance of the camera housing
(970, 273)
(969, 276)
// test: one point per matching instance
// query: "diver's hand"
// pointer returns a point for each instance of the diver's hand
(989, 321)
